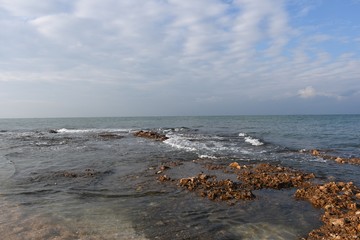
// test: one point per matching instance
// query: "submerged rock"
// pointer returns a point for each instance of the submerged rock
(337, 159)
(109, 136)
(213, 189)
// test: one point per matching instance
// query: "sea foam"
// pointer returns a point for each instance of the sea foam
(251, 140)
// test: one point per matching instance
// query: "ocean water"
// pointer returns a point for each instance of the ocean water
(94, 179)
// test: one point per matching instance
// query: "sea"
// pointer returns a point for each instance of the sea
(91, 178)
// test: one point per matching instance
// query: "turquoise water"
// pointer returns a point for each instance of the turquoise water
(120, 197)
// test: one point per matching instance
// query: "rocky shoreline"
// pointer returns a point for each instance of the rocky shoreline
(340, 201)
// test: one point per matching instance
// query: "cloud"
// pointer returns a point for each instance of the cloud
(310, 92)
(307, 92)
(240, 50)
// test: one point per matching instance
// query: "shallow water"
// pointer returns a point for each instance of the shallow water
(95, 180)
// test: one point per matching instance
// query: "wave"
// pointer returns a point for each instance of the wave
(184, 143)
(253, 141)
(208, 146)
(74, 131)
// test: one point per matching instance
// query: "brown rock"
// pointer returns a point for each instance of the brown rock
(315, 152)
(339, 160)
(235, 165)
(164, 178)
(151, 135)
(337, 221)
(358, 195)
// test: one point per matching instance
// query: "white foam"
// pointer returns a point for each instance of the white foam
(73, 131)
(253, 141)
(180, 142)
(242, 134)
(207, 156)
(64, 130)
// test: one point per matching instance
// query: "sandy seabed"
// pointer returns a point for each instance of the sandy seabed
(16, 224)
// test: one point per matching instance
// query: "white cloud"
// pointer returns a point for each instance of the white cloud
(310, 92)
(307, 92)
(245, 49)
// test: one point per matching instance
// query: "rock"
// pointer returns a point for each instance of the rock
(337, 221)
(151, 135)
(315, 152)
(339, 160)
(357, 195)
(164, 178)
(53, 131)
(235, 165)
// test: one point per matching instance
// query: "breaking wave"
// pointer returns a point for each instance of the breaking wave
(74, 131)
(251, 140)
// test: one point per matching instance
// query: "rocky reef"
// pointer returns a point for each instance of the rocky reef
(339, 200)
(341, 204)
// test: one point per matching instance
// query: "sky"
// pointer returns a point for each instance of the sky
(96, 58)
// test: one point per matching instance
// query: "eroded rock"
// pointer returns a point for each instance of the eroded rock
(341, 206)
(276, 177)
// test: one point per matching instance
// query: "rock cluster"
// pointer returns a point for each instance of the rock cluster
(269, 176)
(340, 201)
(210, 187)
(341, 204)
(337, 159)
(151, 135)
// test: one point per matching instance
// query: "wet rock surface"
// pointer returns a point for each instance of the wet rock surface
(151, 135)
(341, 204)
(340, 160)
(213, 189)
(340, 201)
(275, 177)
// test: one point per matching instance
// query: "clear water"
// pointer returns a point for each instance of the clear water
(123, 200)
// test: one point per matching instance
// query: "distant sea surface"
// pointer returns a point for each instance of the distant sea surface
(91, 178)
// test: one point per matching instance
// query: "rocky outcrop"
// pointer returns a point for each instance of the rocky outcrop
(340, 202)
(151, 135)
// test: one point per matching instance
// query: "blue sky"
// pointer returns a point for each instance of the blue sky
(70, 58)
